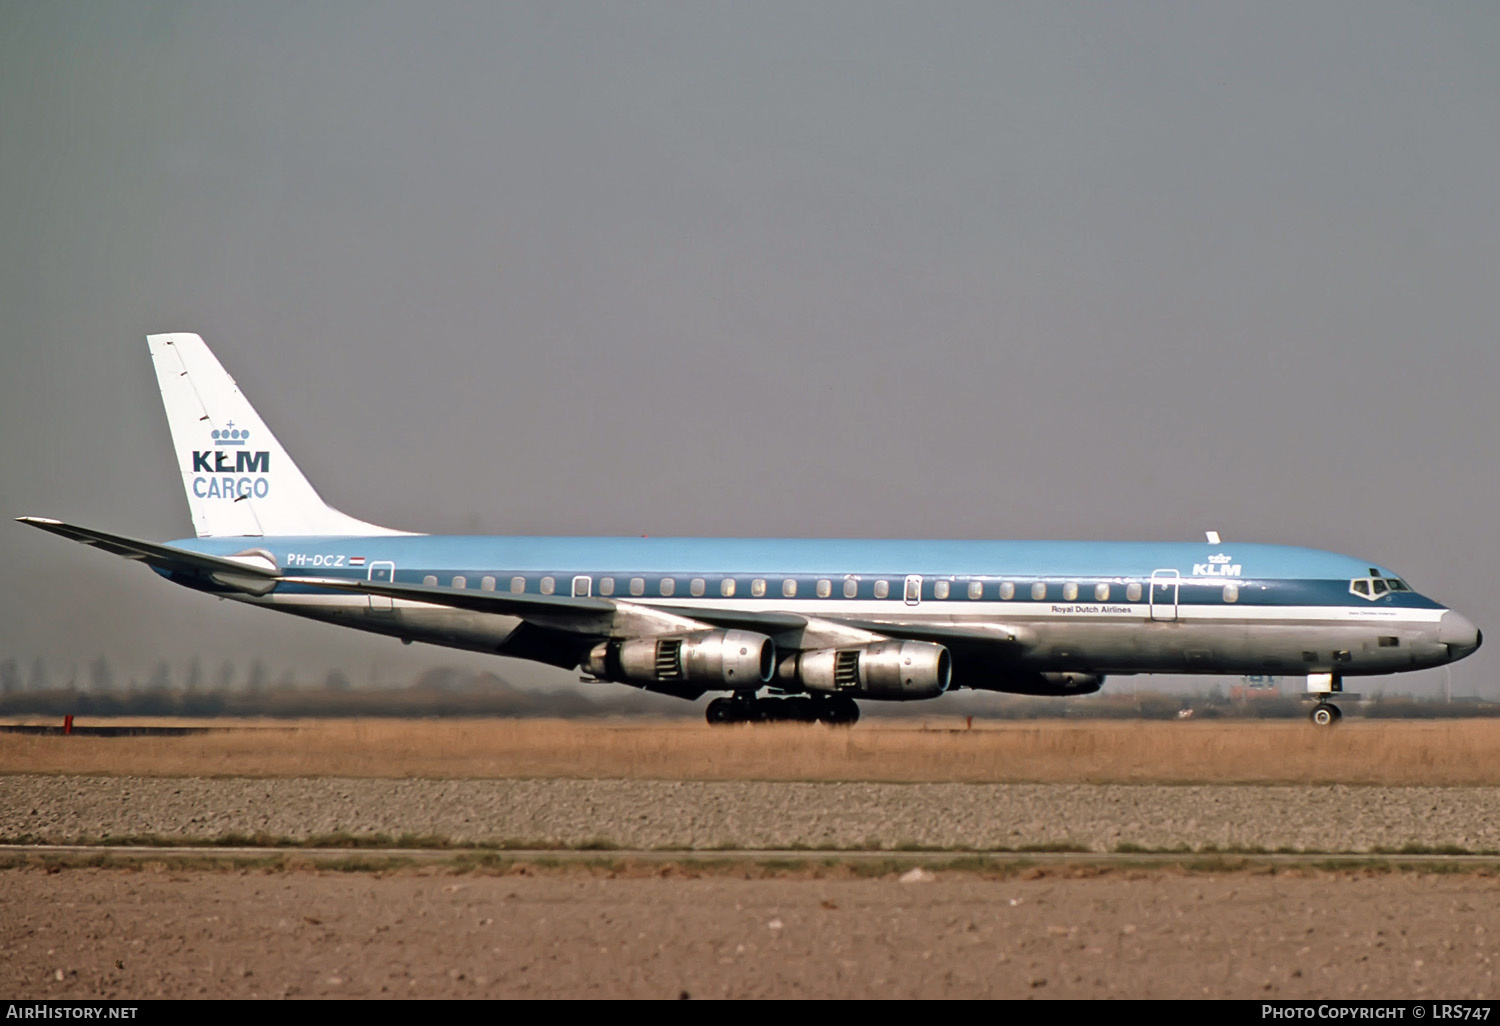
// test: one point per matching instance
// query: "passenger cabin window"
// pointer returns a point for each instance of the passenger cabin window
(1101, 593)
(758, 587)
(825, 588)
(882, 589)
(1070, 591)
(697, 587)
(726, 587)
(582, 585)
(789, 588)
(1007, 590)
(1133, 591)
(430, 580)
(913, 590)
(851, 587)
(460, 581)
(1231, 593)
(548, 586)
(517, 585)
(668, 586)
(1038, 591)
(637, 586)
(940, 590)
(976, 590)
(486, 583)
(606, 585)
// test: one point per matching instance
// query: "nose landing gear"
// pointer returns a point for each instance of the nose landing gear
(1321, 687)
(1325, 714)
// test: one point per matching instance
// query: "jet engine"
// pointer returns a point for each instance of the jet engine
(890, 670)
(732, 659)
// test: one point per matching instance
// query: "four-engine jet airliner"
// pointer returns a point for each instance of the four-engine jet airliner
(813, 624)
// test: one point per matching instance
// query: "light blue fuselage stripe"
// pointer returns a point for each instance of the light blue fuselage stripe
(827, 557)
(1263, 574)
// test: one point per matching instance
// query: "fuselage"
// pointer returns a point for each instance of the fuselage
(1087, 607)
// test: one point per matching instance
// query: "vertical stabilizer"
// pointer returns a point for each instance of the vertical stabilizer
(239, 480)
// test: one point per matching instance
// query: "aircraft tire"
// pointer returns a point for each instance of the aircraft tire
(767, 710)
(1325, 715)
(722, 711)
(839, 712)
(801, 710)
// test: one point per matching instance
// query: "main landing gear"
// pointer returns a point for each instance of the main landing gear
(837, 711)
(1325, 714)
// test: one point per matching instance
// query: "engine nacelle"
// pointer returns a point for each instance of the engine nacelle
(890, 670)
(732, 659)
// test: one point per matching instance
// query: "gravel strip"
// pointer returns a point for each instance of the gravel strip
(688, 814)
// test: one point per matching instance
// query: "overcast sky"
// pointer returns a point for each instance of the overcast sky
(1020, 270)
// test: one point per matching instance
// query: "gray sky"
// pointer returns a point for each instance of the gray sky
(1031, 270)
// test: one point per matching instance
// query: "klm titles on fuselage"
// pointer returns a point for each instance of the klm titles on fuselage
(230, 476)
(1217, 566)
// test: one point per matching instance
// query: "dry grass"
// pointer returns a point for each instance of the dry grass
(1453, 752)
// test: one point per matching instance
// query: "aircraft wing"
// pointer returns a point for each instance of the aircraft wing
(553, 608)
(950, 633)
(745, 620)
(502, 602)
(586, 614)
(251, 572)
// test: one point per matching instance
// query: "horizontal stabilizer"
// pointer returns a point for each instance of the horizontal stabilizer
(162, 557)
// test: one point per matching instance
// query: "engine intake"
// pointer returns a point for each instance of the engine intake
(725, 658)
(894, 671)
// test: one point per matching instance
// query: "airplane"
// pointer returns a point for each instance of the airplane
(790, 629)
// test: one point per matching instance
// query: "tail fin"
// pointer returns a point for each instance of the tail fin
(238, 478)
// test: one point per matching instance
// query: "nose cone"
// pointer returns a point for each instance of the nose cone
(1459, 634)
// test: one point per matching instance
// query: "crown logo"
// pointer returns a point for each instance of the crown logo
(1218, 560)
(231, 435)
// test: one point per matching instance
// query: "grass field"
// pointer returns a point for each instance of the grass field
(1453, 752)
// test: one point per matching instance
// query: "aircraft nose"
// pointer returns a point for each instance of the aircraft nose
(1459, 634)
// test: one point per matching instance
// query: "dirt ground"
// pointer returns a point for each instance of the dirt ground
(664, 933)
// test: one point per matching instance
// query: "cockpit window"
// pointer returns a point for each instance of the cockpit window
(1376, 586)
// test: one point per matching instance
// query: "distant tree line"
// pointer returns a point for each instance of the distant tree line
(99, 677)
